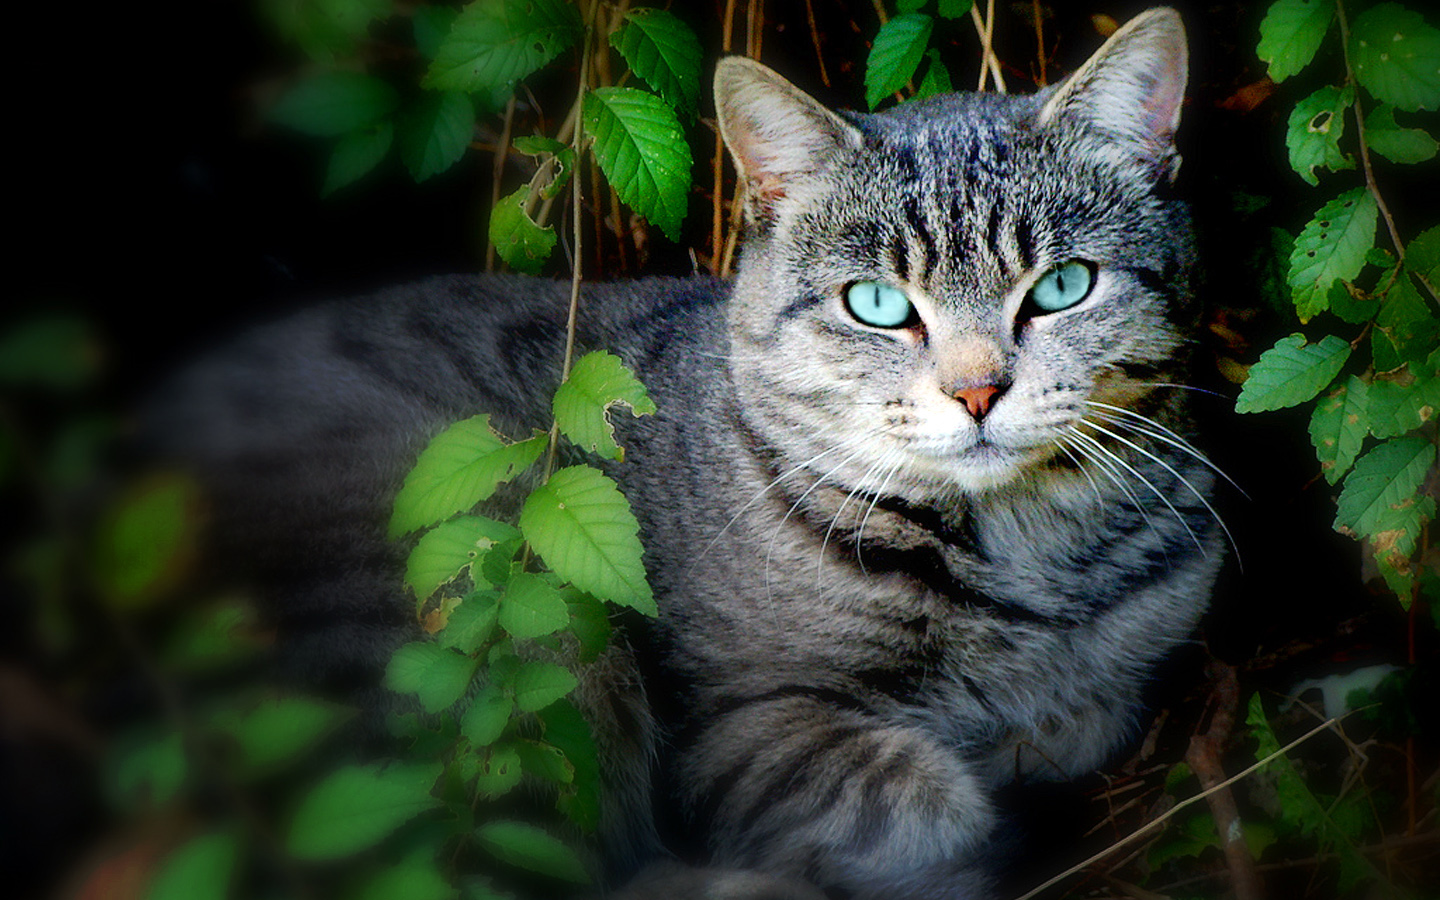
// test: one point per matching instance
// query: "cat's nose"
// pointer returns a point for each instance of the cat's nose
(978, 399)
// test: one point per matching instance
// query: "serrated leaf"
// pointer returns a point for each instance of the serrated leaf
(435, 135)
(356, 155)
(438, 675)
(471, 623)
(937, 77)
(460, 467)
(534, 145)
(523, 244)
(1393, 549)
(899, 46)
(1422, 256)
(495, 43)
(582, 526)
(200, 869)
(356, 807)
(1410, 329)
(1396, 56)
(1313, 135)
(499, 771)
(333, 104)
(539, 684)
(1331, 247)
(642, 151)
(1382, 492)
(598, 381)
(544, 761)
(1291, 372)
(1397, 408)
(487, 716)
(531, 848)
(1291, 33)
(280, 729)
(1338, 427)
(445, 550)
(1402, 145)
(531, 608)
(665, 52)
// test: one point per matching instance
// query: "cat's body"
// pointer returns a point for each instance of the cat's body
(891, 576)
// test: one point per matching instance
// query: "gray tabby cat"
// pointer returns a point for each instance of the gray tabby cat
(918, 506)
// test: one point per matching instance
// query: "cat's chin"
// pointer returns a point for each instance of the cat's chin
(986, 467)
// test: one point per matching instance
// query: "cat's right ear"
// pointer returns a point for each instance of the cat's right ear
(778, 136)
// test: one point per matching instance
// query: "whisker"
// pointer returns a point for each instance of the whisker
(1110, 471)
(1153, 429)
(835, 519)
(874, 499)
(1101, 448)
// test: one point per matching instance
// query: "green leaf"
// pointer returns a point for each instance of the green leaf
(895, 55)
(534, 145)
(539, 684)
(145, 542)
(495, 43)
(937, 77)
(590, 623)
(1396, 56)
(598, 381)
(642, 151)
(461, 466)
(356, 154)
(910, 6)
(279, 730)
(1291, 372)
(1422, 256)
(665, 52)
(200, 869)
(1397, 408)
(55, 352)
(489, 713)
(523, 244)
(208, 638)
(439, 675)
(530, 608)
(326, 29)
(146, 769)
(531, 848)
(417, 877)
(1397, 144)
(545, 761)
(333, 104)
(356, 807)
(582, 526)
(1404, 318)
(1316, 125)
(1291, 33)
(1381, 494)
(471, 623)
(1332, 247)
(430, 25)
(1338, 427)
(435, 135)
(499, 771)
(445, 550)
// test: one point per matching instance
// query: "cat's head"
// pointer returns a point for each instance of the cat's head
(929, 296)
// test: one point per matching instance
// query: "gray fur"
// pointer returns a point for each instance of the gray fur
(875, 609)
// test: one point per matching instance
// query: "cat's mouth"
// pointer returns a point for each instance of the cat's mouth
(980, 464)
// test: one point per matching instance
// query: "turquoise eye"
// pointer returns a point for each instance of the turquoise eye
(1063, 286)
(878, 304)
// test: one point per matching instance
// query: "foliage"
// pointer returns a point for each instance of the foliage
(1371, 310)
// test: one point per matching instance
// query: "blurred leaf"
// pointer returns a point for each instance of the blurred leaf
(146, 769)
(417, 877)
(598, 381)
(499, 771)
(1338, 428)
(643, 153)
(431, 24)
(325, 29)
(895, 55)
(1291, 33)
(485, 720)
(544, 761)
(665, 52)
(278, 730)
(531, 848)
(146, 541)
(495, 43)
(334, 104)
(356, 807)
(54, 352)
(1316, 125)
(954, 9)
(1396, 56)
(1291, 372)
(439, 675)
(203, 868)
(435, 135)
(356, 155)
(1332, 247)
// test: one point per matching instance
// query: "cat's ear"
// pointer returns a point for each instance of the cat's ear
(777, 134)
(1133, 86)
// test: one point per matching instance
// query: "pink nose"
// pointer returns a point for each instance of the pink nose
(978, 399)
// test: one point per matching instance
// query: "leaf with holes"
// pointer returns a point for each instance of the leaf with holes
(1291, 372)
(1332, 247)
(1291, 33)
(435, 135)
(495, 43)
(665, 52)
(1402, 145)
(460, 467)
(445, 550)
(642, 151)
(582, 526)
(598, 381)
(1396, 56)
(895, 55)
(1338, 428)
(520, 241)
(1382, 492)
(1316, 125)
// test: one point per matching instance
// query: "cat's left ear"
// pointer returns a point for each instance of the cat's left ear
(1133, 86)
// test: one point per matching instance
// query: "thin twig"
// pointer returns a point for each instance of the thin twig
(1174, 810)
(497, 173)
(1039, 42)
(989, 62)
(815, 39)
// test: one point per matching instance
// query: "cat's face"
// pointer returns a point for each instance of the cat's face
(933, 299)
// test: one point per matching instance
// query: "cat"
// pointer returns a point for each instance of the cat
(919, 505)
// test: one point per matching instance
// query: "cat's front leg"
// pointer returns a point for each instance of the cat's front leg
(793, 784)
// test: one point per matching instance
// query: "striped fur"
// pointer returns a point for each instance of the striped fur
(876, 609)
